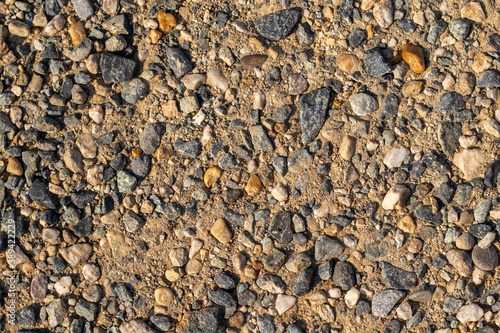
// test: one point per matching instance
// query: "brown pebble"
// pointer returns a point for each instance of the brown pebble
(254, 185)
(414, 57)
(14, 167)
(221, 231)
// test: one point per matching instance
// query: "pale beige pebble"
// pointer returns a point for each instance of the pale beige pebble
(280, 192)
(473, 11)
(194, 81)
(221, 231)
(395, 157)
(347, 147)
(367, 4)
(111, 217)
(14, 167)
(92, 63)
(77, 254)
(207, 135)
(351, 297)
(185, 36)
(495, 214)
(396, 197)
(227, 56)
(478, 275)
(73, 160)
(497, 115)
(15, 114)
(415, 245)
(97, 114)
(178, 256)
(328, 12)
(335, 293)
(317, 298)
(19, 256)
(63, 285)
(116, 241)
(174, 274)
(371, 145)
(95, 174)
(487, 240)
(481, 62)
(383, 11)
(170, 109)
(196, 246)
(470, 162)
(51, 236)
(492, 127)
(259, 101)
(216, 78)
(239, 261)
(404, 311)
(136, 326)
(465, 241)
(448, 82)
(87, 145)
(150, 24)
(470, 313)
(322, 211)
(284, 303)
(91, 272)
(444, 330)
(55, 25)
(406, 224)
(19, 28)
(193, 266)
(468, 141)
(230, 95)
(461, 261)
(419, 18)
(40, 20)
(275, 51)
(164, 296)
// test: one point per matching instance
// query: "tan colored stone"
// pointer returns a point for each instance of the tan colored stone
(221, 231)
(211, 176)
(166, 21)
(481, 62)
(470, 162)
(170, 109)
(164, 296)
(347, 147)
(349, 63)
(77, 32)
(254, 186)
(14, 167)
(77, 254)
(406, 224)
(155, 36)
(473, 11)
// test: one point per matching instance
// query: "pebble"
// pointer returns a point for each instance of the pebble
(327, 248)
(216, 78)
(347, 147)
(352, 297)
(19, 28)
(77, 254)
(461, 261)
(313, 107)
(349, 63)
(489, 78)
(384, 301)
(63, 285)
(221, 231)
(14, 167)
(465, 241)
(375, 63)
(211, 176)
(396, 197)
(470, 313)
(473, 11)
(284, 303)
(363, 104)
(83, 8)
(116, 69)
(91, 272)
(470, 163)
(395, 157)
(485, 259)
(164, 296)
(397, 278)
(413, 55)
(460, 28)
(278, 25)
(344, 275)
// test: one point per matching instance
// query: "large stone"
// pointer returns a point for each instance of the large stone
(363, 104)
(450, 102)
(178, 62)
(397, 278)
(489, 78)
(39, 193)
(327, 248)
(280, 227)
(375, 63)
(313, 110)
(278, 25)
(77, 254)
(384, 301)
(470, 162)
(83, 8)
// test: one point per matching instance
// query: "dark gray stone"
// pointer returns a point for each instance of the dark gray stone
(344, 275)
(210, 320)
(266, 324)
(482, 210)
(178, 62)
(445, 193)
(425, 214)
(345, 10)
(302, 282)
(448, 134)
(489, 78)
(260, 139)
(280, 227)
(116, 69)
(223, 298)
(460, 28)
(188, 148)
(83, 8)
(150, 138)
(313, 108)
(278, 25)
(86, 310)
(436, 30)
(161, 323)
(452, 304)
(397, 278)
(384, 301)
(39, 193)
(327, 248)
(225, 281)
(141, 166)
(357, 37)
(450, 102)
(375, 63)
(134, 90)
(390, 107)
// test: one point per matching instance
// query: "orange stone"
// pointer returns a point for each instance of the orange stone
(211, 176)
(155, 36)
(77, 32)
(166, 21)
(254, 185)
(14, 167)
(349, 63)
(136, 152)
(414, 57)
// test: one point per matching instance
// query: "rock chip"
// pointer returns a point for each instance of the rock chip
(77, 254)
(221, 231)
(83, 8)
(383, 11)
(375, 63)
(116, 69)
(278, 25)
(384, 301)
(489, 78)
(470, 313)
(396, 197)
(461, 260)
(485, 258)
(327, 248)
(397, 278)
(413, 55)
(470, 162)
(313, 109)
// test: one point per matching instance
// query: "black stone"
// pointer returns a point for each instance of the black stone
(134, 90)
(83, 198)
(407, 26)
(280, 227)
(39, 193)
(397, 278)
(83, 228)
(278, 25)
(357, 37)
(141, 166)
(150, 138)
(313, 108)
(302, 282)
(210, 320)
(445, 193)
(491, 174)
(116, 69)
(450, 102)
(161, 323)
(344, 275)
(425, 214)
(178, 62)
(345, 10)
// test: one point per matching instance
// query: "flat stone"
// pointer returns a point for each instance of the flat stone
(452, 304)
(384, 301)
(284, 303)
(134, 90)
(397, 278)
(221, 231)
(83, 8)
(77, 254)
(302, 282)
(137, 326)
(253, 60)
(450, 102)
(116, 69)
(178, 62)
(327, 248)
(271, 283)
(383, 11)
(313, 109)
(344, 275)
(489, 78)
(395, 157)
(425, 214)
(470, 313)
(363, 104)
(485, 258)
(188, 148)
(39, 193)
(448, 135)
(470, 162)
(375, 64)
(56, 311)
(460, 28)
(461, 261)
(278, 25)
(260, 139)
(38, 288)
(280, 227)
(396, 197)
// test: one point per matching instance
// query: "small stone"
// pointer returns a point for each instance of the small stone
(77, 254)
(14, 167)
(134, 90)
(450, 102)
(297, 84)
(395, 157)
(351, 298)
(363, 104)
(38, 288)
(211, 176)
(56, 311)
(482, 210)
(396, 197)
(284, 303)
(280, 192)
(461, 260)
(384, 301)
(481, 62)
(271, 283)
(473, 11)
(166, 21)
(116, 69)
(19, 28)
(117, 25)
(216, 78)
(164, 296)
(278, 25)
(470, 313)
(313, 109)
(349, 63)
(375, 64)
(194, 81)
(178, 256)
(91, 272)
(344, 275)
(87, 145)
(253, 60)
(470, 163)
(404, 311)
(414, 57)
(489, 78)
(383, 11)
(137, 326)
(485, 258)
(83, 8)
(280, 227)
(466, 83)
(260, 139)
(178, 62)
(327, 248)
(39, 193)
(298, 262)
(221, 231)
(397, 278)
(347, 147)
(448, 136)
(406, 224)
(189, 104)
(465, 241)
(254, 185)
(452, 304)
(55, 25)
(63, 285)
